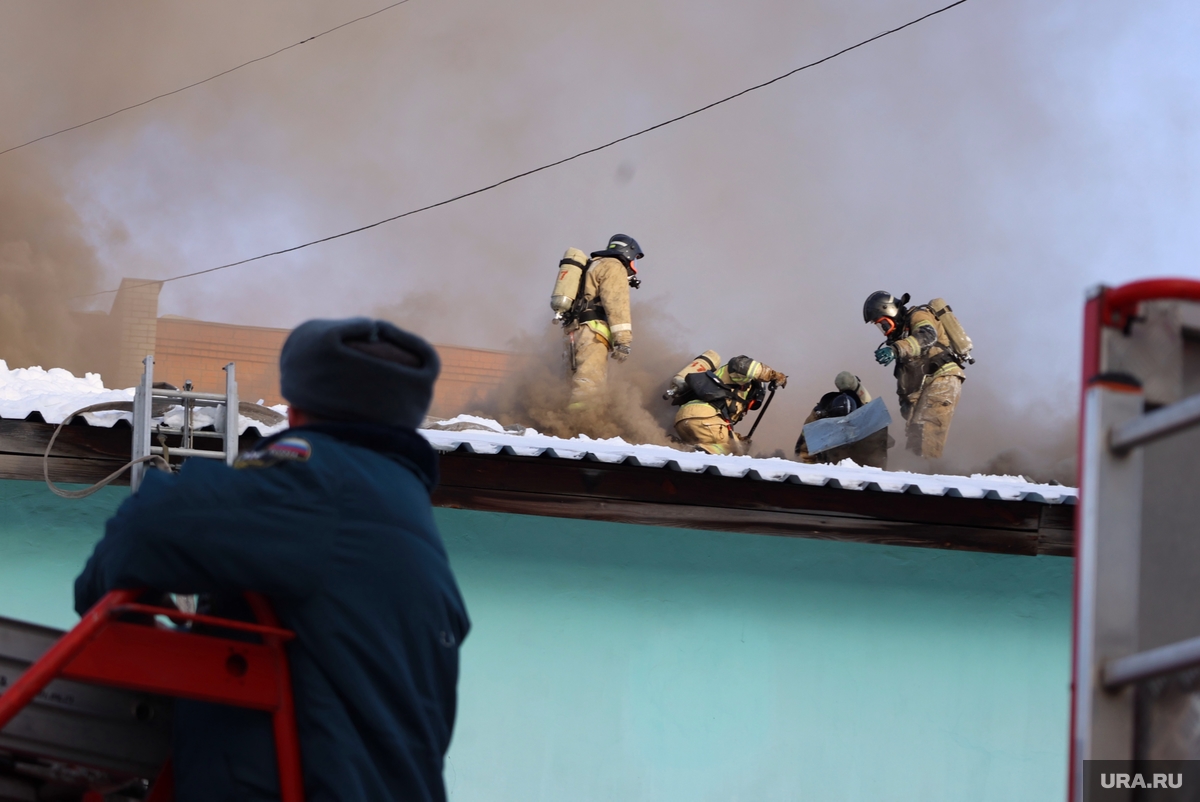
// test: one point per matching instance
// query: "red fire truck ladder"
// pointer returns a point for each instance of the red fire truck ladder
(1136, 690)
(118, 645)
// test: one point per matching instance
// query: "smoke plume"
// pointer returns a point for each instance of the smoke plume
(44, 259)
(630, 406)
(1004, 156)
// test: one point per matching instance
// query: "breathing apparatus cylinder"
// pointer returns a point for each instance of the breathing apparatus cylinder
(955, 333)
(678, 393)
(709, 360)
(570, 277)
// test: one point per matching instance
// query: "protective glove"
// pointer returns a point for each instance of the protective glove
(780, 379)
(621, 352)
(885, 354)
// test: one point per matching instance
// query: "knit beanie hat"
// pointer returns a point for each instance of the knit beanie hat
(358, 369)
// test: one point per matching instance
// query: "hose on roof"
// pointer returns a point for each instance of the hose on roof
(123, 406)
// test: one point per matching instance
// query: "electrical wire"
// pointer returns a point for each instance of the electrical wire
(206, 80)
(544, 167)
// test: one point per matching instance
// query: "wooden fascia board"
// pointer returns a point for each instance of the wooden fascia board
(661, 497)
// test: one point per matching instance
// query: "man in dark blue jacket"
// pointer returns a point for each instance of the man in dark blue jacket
(331, 520)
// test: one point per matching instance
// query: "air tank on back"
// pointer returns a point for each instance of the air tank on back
(570, 275)
(960, 341)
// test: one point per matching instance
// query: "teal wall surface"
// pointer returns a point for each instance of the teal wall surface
(618, 662)
(44, 542)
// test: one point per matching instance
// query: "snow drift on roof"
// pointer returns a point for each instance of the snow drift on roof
(56, 393)
(483, 436)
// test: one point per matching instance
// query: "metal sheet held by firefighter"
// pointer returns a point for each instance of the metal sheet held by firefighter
(822, 435)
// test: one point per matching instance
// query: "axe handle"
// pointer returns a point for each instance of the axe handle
(762, 411)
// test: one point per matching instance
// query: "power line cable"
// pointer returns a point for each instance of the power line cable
(510, 179)
(206, 80)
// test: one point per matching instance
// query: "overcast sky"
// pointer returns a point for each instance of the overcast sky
(1005, 155)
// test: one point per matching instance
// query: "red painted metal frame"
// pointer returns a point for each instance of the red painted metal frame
(106, 651)
(1113, 307)
(1119, 304)
(163, 789)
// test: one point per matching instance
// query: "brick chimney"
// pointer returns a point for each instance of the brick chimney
(136, 315)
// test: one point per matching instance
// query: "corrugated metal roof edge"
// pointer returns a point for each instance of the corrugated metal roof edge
(766, 470)
(124, 423)
(770, 470)
(35, 417)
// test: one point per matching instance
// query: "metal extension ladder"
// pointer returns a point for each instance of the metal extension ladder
(144, 432)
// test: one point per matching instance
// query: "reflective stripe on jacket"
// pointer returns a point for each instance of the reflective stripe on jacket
(607, 285)
(921, 347)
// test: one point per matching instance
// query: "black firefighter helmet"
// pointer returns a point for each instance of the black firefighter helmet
(622, 247)
(836, 405)
(881, 304)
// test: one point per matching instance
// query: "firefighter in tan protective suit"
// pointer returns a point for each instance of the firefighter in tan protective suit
(929, 370)
(602, 326)
(850, 395)
(713, 399)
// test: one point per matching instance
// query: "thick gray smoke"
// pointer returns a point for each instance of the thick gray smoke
(1002, 155)
(537, 393)
(44, 259)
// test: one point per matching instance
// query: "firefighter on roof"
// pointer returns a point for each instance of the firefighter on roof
(850, 396)
(591, 298)
(930, 348)
(713, 399)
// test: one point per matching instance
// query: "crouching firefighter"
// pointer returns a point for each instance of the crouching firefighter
(591, 299)
(713, 399)
(930, 349)
(872, 444)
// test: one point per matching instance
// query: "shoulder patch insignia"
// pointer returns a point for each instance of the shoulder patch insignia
(287, 449)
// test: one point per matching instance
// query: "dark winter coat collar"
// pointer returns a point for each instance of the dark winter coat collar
(403, 445)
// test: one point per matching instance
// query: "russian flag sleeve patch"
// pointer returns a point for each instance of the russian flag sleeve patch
(286, 449)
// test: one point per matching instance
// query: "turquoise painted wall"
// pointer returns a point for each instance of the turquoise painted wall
(613, 662)
(44, 542)
(636, 663)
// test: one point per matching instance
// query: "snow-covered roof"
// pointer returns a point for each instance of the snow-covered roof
(483, 436)
(56, 393)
